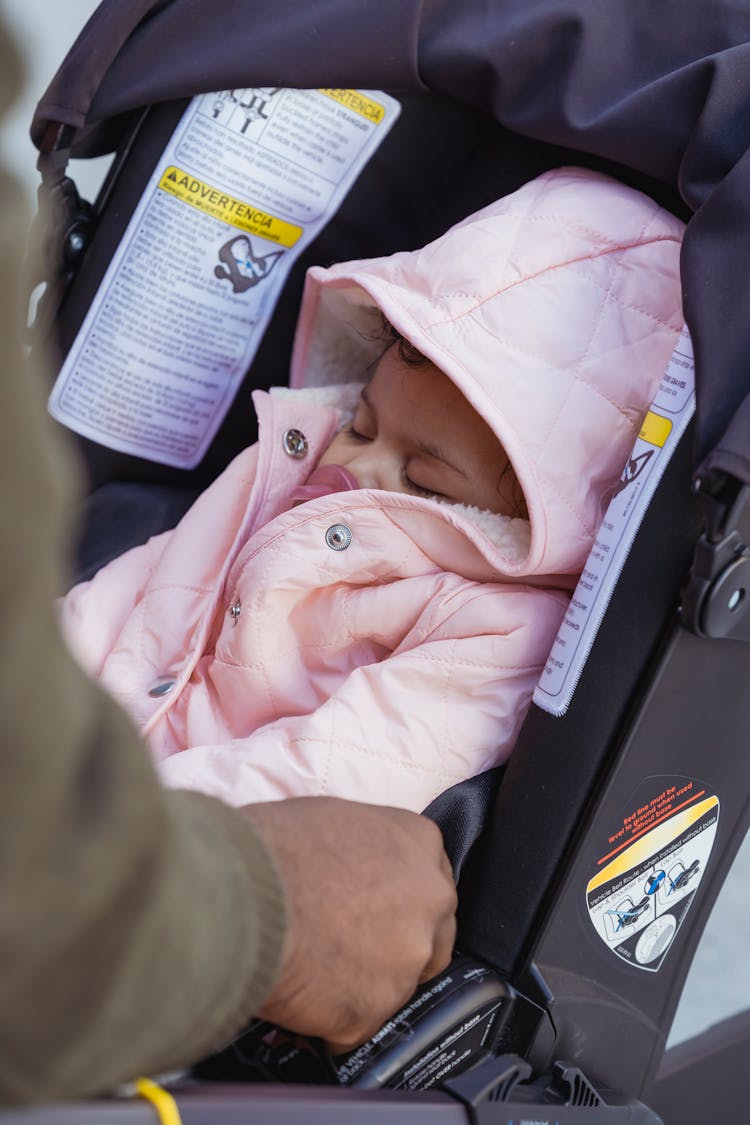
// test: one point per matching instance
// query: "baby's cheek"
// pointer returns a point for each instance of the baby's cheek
(336, 451)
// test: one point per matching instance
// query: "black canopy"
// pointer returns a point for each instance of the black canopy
(662, 88)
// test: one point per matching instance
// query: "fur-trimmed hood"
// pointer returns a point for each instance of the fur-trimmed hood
(376, 645)
(509, 535)
(558, 337)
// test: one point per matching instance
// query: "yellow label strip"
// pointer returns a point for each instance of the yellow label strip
(652, 842)
(352, 99)
(655, 429)
(212, 201)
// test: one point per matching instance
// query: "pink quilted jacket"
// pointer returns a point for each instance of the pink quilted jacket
(259, 658)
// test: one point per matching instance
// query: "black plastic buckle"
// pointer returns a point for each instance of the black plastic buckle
(498, 1090)
(62, 230)
(70, 218)
(74, 225)
(716, 597)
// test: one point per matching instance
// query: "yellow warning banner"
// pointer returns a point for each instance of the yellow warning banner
(225, 207)
(654, 841)
(357, 102)
(655, 429)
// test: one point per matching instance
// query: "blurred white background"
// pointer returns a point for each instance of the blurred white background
(44, 30)
(719, 982)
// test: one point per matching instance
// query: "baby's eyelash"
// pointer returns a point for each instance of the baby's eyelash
(418, 488)
(355, 435)
(352, 433)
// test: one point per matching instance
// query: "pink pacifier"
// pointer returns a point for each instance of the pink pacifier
(323, 481)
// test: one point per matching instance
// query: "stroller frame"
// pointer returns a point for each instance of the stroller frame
(585, 1031)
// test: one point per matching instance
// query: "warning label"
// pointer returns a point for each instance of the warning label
(229, 210)
(651, 869)
(669, 800)
(353, 99)
(660, 433)
(246, 182)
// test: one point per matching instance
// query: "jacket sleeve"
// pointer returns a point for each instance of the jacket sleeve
(446, 705)
(139, 928)
(93, 613)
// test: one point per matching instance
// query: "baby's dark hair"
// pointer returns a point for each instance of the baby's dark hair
(407, 352)
(412, 357)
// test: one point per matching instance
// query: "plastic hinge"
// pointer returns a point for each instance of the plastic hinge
(716, 597)
(572, 1086)
(490, 1081)
(497, 1091)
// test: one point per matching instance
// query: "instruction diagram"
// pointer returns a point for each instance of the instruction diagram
(646, 882)
(246, 182)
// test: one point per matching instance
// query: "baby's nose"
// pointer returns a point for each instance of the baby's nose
(364, 468)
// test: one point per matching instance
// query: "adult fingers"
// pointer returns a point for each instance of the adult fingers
(442, 949)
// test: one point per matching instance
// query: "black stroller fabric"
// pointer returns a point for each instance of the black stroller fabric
(460, 813)
(672, 102)
(670, 105)
(658, 95)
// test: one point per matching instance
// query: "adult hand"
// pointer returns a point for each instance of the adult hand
(371, 913)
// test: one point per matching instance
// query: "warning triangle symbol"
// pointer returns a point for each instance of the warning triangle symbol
(172, 176)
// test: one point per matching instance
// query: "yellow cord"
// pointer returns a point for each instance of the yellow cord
(161, 1100)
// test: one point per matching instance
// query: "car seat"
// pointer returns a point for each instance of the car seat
(490, 95)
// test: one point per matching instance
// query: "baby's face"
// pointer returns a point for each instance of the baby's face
(414, 432)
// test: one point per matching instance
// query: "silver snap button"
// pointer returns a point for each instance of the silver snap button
(338, 537)
(235, 611)
(295, 443)
(162, 688)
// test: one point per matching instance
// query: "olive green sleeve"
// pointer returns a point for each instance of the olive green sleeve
(139, 928)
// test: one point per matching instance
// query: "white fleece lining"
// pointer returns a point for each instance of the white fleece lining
(346, 339)
(344, 397)
(511, 535)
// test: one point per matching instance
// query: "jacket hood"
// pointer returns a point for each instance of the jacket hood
(554, 310)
